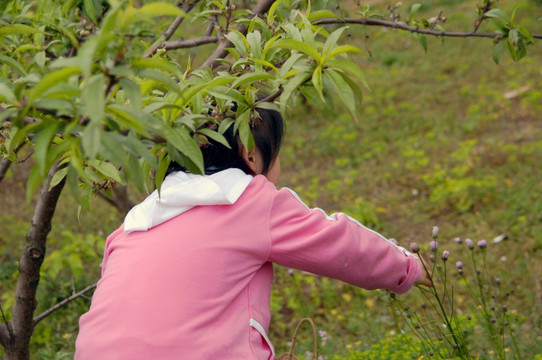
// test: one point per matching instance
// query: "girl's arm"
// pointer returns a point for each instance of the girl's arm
(337, 246)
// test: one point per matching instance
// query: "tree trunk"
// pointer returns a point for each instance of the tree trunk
(21, 324)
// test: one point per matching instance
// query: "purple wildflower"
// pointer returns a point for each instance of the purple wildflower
(433, 244)
(459, 265)
(482, 244)
(470, 243)
(432, 257)
(457, 240)
(414, 248)
(434, 233)
(498, 281)
(290, 272)
(445, 255)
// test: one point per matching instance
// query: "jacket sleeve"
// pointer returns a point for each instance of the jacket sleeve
(337, 246)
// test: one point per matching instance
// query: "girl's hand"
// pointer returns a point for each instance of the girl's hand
(425, 278)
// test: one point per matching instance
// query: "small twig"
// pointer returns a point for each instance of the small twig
(54, 308)
(259, 9)
(170, 30)
(271, 97)
(6, 337)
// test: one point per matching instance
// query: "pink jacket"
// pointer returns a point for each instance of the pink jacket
(185, 281)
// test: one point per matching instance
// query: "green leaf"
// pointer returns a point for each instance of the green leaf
(108, 170)
(317, 82)
(423, 41)
(298, 46)
(157, 63)
(271, 12)
(225, 124)
(414, 9)
(133, 91)
(215, 136)
(498, 14)
(321, 14)
(58, 177)
(159, 8)
(161, 171)
(268, 106)
(182, 141)
(136, 147)
(17, 29)
(343, 90)
(90, 9)
(49, 81)
(239, 41)
(94, 98)
(34, 180)
(42, 141)
(39, 58)
(160, 77)
(291, 86)
(7, 94)
(13, 63)
(91, 138)
(332, 40)
(244, 130)
(255, 42)
(251, 78)
(349, 67)
(226, 93)
(126, 117)
(344, 49)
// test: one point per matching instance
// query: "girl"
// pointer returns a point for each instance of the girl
(188, 275)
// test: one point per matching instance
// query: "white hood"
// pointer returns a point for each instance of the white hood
(182, 191)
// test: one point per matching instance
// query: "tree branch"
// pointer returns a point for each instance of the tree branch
(4, 167)
(179, 44)
(30, 264)
(170, 30)
(406, 27)
(64, 302)
(261, 7)
(6, 333)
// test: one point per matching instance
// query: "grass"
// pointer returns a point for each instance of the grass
(446, 138)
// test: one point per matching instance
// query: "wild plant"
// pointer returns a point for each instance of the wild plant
(465, 314)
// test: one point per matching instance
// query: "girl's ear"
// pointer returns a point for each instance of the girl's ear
(253, 159)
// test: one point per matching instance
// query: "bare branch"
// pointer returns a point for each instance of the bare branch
(170, 30)
(406, 27)
(64, 302)
(30, 264)
(271, 97)
(121, 200)
(4, 167)
(179, 44)
(6, 333)
(261, 7)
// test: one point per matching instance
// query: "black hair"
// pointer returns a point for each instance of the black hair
(267, 131)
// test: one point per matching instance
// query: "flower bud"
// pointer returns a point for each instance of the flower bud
(457, 240)
(414, 248)
(498, 281)
(482, 244)
(470, 243)
(459, 265)
(445, 255)
(433, 244)
(434, 233)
